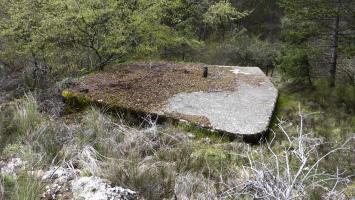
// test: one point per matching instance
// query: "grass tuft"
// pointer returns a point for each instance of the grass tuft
(26, 116)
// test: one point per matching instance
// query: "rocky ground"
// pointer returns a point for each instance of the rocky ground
(67, 183)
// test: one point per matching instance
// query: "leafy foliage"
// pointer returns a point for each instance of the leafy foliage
(88, 33)
(222, 14)
(294, 65)
(322, 24)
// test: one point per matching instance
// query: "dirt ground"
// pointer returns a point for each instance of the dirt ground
(146, 87)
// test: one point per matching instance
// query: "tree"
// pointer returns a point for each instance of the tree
(322, 21)
(91, 33)
(222, 15)
(197, 22)
(264, 20)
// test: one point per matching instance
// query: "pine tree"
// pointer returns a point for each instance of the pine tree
(323, 20)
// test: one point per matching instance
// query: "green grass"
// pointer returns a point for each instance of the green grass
(332, 122)
(23, 187)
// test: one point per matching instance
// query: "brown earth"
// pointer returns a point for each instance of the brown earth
(147, 87)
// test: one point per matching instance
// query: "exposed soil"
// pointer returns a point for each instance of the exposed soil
(146, 88)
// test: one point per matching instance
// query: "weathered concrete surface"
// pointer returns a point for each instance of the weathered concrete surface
(245, 111)
(238, 101)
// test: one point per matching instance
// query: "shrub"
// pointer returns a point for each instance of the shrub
(241, 50)
(293, 63)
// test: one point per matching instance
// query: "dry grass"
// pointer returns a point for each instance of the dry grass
(164, 162)
(26, 115)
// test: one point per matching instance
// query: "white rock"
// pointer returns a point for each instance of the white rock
(58, 175)
(13, 166)
(95, 188)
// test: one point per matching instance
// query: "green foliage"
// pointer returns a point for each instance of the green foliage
(208, 159)
(294, 65)
(8, 184)
(87, 33)
(346, 94)
(350, 190)
(222, 14)
(264, 20)
(197, 23)
(332, 118)
(14, 150)
(320, 26)
(25, 187)
(241, 50)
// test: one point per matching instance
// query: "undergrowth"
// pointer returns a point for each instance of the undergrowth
(161, 161)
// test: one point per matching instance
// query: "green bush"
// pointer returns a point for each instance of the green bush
(294, 65)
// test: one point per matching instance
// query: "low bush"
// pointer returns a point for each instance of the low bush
(294, 65)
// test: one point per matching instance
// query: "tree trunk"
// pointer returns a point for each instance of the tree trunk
(334, 48)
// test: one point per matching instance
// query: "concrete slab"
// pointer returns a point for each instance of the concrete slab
(236, 100)
(245, 111)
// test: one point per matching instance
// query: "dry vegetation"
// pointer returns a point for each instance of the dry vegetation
(161, 161)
